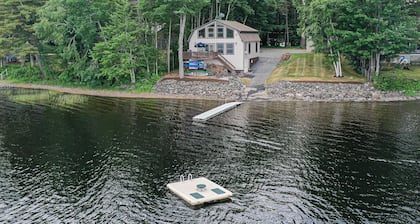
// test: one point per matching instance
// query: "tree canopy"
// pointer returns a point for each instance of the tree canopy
(118, 42)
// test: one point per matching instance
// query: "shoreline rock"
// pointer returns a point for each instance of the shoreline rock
(232, 88)
(333, 92)
(229, 88)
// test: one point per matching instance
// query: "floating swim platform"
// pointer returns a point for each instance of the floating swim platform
(199, 191)
(216, 111)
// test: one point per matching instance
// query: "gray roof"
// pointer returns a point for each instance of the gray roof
(250, 37)
(247, 34)
(238, 26)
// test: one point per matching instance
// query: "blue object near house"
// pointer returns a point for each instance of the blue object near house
(193, 65)
(201, 44)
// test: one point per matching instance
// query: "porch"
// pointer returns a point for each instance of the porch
(199, 55)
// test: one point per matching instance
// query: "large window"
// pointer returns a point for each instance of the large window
(220, 32)
(202, 33)
(229, 49)
(221, 48)
(211, 32)
(229, 33)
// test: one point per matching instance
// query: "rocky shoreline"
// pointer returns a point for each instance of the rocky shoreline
(229, 88)
(318, 91)
(233, 88)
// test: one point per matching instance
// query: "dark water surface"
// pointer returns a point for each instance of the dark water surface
(78, 159)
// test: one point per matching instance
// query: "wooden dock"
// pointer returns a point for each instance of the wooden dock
(199, 191)
(216, 111)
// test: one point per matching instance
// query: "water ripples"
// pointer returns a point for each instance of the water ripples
(107, 160)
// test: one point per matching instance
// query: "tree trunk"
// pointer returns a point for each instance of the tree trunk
(228, 10)
(302, 40)
(168, 49)
(287, 27)
(157, 56)
(378, 64)
(182, 19)
(31, 58)
(302, 36)
(132, 72)
(41, 68)
(338, 70)
(372, 64)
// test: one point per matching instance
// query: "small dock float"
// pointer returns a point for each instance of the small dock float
(199, 191)
(216, 111)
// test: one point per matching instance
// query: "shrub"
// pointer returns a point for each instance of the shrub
(24, 73)
(410, 87)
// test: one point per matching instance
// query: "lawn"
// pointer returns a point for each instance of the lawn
(311, 67)
(396, 71)
(393, 78)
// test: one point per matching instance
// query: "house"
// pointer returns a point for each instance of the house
(228, 43)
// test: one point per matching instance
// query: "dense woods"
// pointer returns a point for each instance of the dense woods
(120, 42)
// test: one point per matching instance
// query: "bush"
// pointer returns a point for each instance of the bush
(410, 87)
(24, 73)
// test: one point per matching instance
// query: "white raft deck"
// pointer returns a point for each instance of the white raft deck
(216, 111)
(199, 191)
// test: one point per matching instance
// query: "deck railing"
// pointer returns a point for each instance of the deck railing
(199, 55)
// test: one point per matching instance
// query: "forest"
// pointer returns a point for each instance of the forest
(134, 42)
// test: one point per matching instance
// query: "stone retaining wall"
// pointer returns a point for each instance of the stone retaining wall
(229, 88)
(233, 88)
(310, 91)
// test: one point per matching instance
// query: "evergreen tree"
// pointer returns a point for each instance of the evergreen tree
(16, 30)
(123, 55)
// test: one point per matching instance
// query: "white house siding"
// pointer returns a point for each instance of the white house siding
(240, 58)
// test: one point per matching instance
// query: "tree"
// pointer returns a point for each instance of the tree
(16, 30)
(185, 8)
(283, 7)
(362, 32)
(119, 55)
(71, 28)
(322, 18)
(301, 6)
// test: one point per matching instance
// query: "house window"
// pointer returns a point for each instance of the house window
(229, 49)
(256, 47)
(202, 33)
(220, 32)
(229, 33)
(249, 48)
(220, 48)
(211, 48)
(211, 32)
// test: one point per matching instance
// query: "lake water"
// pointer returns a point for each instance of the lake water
(79, 159)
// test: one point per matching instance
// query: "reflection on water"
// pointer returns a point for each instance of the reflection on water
(103, 160)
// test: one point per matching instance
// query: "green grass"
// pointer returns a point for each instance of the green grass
(396, 71)
(312, 67)
(142, 86)
(393, 78)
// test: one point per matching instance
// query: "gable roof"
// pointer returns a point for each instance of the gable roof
(246, 33)
(238, 26)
